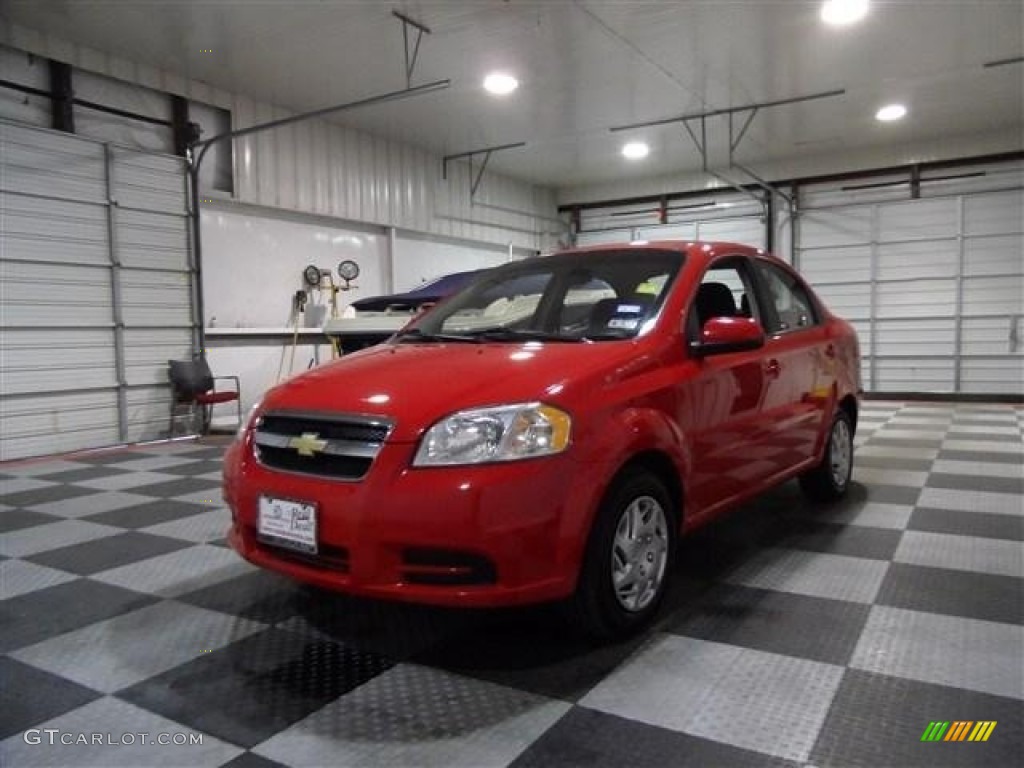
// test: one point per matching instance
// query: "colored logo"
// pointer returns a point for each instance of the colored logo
(958, 730)
(307, 444)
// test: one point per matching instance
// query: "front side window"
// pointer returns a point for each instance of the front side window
(725, 290)
(790, 305)
(584, 296)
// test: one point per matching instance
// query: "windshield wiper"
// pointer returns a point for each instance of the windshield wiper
(512, 334)
(416, 334)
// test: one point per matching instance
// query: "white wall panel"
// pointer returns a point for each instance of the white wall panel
(37, 229)
(70, 272)
(605, 236)
(418, 259)
(51, 164)
(947, 271)
(923, 374)
(24, 69)
(993, 296)
(993, 376)
(838, 264)
(40, 360)
(916, 337)
(253, 261)
(686, 231)
(994, 213)
(923, 259)
(994, 255)
(917, 298)
(851, 301)
(917, 220)
(38, 424)
(843, 226)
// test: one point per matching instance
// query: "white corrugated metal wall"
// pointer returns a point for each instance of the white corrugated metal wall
(934, 284)
(97, 290)
(723, 215)
(322, 167)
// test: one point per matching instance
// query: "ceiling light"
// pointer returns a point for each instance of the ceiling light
(891, 112)
(635, 150)
(500, 84)
(839, 13)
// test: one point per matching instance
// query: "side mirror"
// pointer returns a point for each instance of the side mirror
(721, 335)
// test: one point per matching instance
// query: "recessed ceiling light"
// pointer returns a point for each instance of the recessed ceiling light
(635, 150)
(891, 112)
(500, 84)
(839, 13)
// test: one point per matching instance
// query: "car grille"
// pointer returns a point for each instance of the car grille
(337, 446)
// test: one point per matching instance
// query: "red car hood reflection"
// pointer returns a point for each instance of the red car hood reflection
(425, 382)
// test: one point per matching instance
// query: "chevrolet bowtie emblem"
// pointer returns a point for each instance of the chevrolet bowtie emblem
(307, 444)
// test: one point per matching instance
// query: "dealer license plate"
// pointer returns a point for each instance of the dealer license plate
(290, 524)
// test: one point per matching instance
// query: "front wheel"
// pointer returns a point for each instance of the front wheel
(830, 479)
(629, 557)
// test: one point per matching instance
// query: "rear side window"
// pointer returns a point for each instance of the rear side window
(789, 306)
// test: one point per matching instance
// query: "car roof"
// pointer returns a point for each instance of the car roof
(697, 250)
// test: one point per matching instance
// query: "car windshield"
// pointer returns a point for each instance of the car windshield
(574, 296)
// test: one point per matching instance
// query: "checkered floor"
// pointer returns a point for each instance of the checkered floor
(794, 636)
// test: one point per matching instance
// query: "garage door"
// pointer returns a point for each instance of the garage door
(722, 216)
(934, 284)
(96, 290)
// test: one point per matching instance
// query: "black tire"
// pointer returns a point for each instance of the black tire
(830, 480)
(597, 608)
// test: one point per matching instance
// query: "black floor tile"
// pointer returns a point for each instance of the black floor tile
(985, 456)
(850, 540)
(529, 650)
(115, 457)
(954, 593)
(170, 488)
(47, 495)
(977, 483)
(584, 737)
(984, 524)
(16, 519)
(888, 462)
(252, 760)
(880, 438)
(29, 696)
(888, 494)
(260, 595)
(248, 691)
(150, 513)
(198, 467)
(878, 721)
(777, 622)
(39, 615)
(109, 552)
(85, 473)
(208, 453)
(953, 434)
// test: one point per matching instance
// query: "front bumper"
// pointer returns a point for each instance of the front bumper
(481, 536)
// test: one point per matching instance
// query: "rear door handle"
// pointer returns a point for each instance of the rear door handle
(772, 368)
(830, 350)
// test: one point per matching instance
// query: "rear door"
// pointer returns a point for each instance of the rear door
(799, 366)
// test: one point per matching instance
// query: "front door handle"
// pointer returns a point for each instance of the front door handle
(772, 369)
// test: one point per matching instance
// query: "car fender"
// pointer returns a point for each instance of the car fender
(613, 443)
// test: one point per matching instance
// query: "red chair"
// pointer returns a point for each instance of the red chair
(194, 387)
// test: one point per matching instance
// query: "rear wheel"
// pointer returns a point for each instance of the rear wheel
(830, 479)
(629, 557)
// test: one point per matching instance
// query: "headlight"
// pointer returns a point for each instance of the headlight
(247, 422)
(499, 433)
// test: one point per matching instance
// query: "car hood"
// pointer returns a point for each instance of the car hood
(414, 384)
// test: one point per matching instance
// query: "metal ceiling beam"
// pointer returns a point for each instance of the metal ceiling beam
(486, 152)
(730, 110)
(410, 61)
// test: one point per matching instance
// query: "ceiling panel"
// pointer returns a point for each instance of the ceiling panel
(587, 66)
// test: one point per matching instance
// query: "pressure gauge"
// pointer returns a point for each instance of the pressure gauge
(348, 270)
(311, 275)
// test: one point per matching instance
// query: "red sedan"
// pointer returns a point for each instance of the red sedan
(550, 431)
